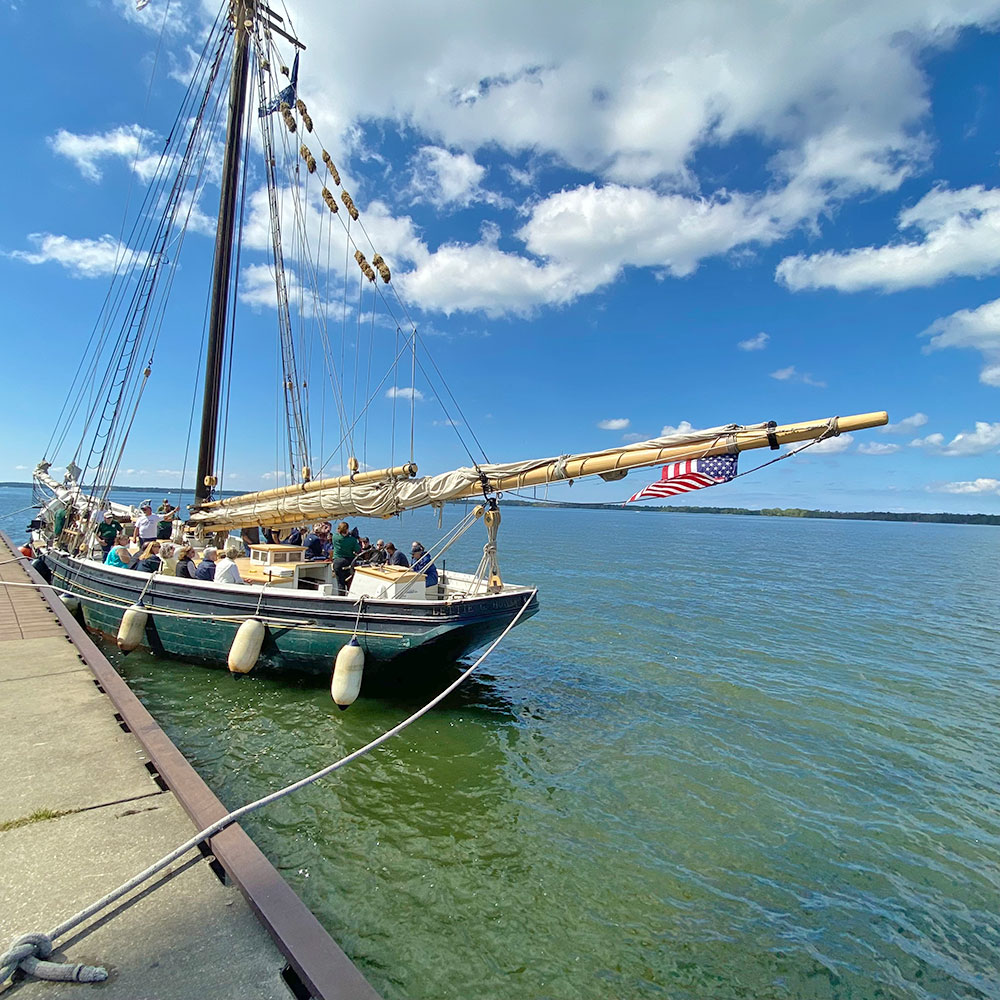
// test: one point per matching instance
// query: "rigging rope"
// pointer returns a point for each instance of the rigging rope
(96, 380)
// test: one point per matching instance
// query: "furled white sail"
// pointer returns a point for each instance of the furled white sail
(392, 494)
(68, 491)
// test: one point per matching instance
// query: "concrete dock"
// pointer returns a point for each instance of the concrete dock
(92, 792)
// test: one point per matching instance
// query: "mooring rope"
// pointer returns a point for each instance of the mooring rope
(28, 950)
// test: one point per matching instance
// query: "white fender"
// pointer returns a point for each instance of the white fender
(347, 674)
(245, 650)
(71, 603)
(132, 628)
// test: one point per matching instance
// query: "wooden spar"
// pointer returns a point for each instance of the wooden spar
(738, 439)
(744, 439)
(358, 479)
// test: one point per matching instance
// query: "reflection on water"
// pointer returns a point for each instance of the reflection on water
(752, 758)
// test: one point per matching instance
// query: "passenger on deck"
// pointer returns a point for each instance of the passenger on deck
(378, 557)
(120, 555)
(422, 563)
(328, 537)
(206, 568)
(226, 570)
(315, 544)
(365, 553)
(294, 537)
(168, 559)
(185, 568)
(394, 557)
(149, 559)
(343, 549)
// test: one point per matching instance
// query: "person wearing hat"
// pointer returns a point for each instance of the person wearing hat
(107, 533)
(422, 563)
(144, 530)
(164, 523)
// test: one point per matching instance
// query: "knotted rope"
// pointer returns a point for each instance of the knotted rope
(28, 953)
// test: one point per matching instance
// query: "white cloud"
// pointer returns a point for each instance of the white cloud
(839, 100)
(978, 329)
(757, 343)
(684, 427)
(614, 424)
(905, 426)
(582, 239)
(403, 392)
(82, 258)
(973, 486)
(156, 17)
(986, 437)
(128, 142)
(959, 236)
(445, 178)
(840, 97)
(257, 286)
(596, 231)
(828, 446)
(792, 374)
(274, 476)
(464, 278)
(877, 448)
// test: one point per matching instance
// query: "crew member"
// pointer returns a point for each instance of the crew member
(107, 533)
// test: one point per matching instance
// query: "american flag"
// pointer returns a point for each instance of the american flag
(682, 477)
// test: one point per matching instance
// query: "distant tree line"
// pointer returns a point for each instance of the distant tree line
(843, 515)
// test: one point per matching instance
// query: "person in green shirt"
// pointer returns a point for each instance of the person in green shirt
(343, 550)
(107, 532)
(164, 526)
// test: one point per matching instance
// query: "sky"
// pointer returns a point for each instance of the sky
(606, 221)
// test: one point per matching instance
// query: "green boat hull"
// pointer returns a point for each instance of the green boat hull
(197, 621)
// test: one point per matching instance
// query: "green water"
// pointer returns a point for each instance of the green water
(731, 757)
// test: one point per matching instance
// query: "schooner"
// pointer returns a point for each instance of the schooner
(297, 619)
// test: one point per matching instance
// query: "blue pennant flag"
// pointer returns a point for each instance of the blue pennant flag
(286, 96)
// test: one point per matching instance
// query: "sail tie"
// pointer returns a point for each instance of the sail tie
(559, 467)
(772, 438)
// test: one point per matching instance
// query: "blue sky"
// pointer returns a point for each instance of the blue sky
(603, 225)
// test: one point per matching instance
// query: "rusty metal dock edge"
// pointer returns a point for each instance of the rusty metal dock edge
(317, 960)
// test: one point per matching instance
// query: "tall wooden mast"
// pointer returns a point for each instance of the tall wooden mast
(242, 13)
